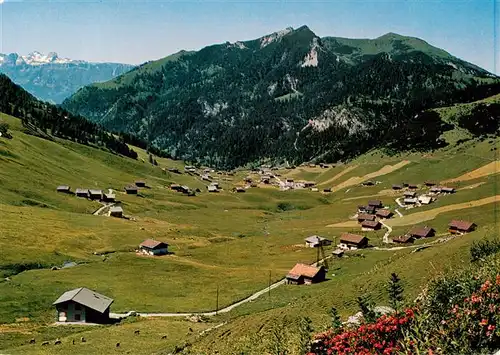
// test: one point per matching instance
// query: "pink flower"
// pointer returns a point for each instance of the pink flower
(483, 322)
(491, 327)
(486, 285)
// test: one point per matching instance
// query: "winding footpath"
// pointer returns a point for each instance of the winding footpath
(212, 313)
(385, 239)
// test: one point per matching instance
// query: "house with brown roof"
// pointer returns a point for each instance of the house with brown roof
(108, 197)
(64, 189)
(131, 190)
(83, 306)
(368, 183)
(397, 187)
(116, 211)
(95, 194)
(315, 241)
(370, 209)
(435, 189)
(422, 232)
(305, 274)
(375, 203)
(429, 183)
(82, 193)
(403, 239)
(461, 227)
(370, 225)
(352, 241)
(447, 190)
(412, 186)
(140, 183)
(365, 217)
(410, 201)
(328, 189)
(153, 247)
(240, 189)
(175, 187)
(410, 194)
(424, 200)
(384, 213)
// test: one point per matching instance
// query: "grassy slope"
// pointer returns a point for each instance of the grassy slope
(232, 240)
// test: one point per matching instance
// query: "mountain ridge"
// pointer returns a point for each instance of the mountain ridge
(230, 104)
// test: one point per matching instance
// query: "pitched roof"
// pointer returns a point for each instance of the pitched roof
(397, 187)
(375, 203)
(303, 270)
(130, 188)
(384, 212)
(87, 298)
(63, 187)
(402, 239)
(366, 217)
(421, 231)
(81, 191)
(352, 238)
(410, 193)
(95, 192)
(425, 199)
(370, 224)
(410, 200)
(116, 209)
(152, 244)
(447, 189)
(314, 239)
(461, 225)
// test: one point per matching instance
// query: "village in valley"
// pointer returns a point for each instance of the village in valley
(82, 305)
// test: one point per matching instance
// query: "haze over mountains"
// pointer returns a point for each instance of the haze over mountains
(290, 95)
(52, 78)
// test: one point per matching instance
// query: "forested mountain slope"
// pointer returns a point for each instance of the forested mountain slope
(289, 96)
(49, 121)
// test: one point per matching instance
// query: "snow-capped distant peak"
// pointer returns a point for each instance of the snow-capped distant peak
(37, 58)
(34, 58)
(264, 41)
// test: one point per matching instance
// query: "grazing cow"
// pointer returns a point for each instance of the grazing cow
(73, 341)
(164, 337)
(57, 342)
(45, 343)
(190, 329)
(117, 345)
(83, 340)
(32, 341)
(137, 332)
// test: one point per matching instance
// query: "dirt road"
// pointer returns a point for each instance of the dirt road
(213, 313)
(423, 216)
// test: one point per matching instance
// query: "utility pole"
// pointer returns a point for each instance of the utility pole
(217, 301)
(269, 291)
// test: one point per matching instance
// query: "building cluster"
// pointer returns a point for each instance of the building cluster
(369, 215)
(102, 196)
(412, 199)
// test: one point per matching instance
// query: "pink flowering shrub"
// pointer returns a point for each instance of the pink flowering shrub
(470, 325)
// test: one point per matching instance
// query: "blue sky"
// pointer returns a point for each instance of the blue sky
(137, 31)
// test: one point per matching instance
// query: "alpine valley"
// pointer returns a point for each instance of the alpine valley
(290, 96)
(51, 78)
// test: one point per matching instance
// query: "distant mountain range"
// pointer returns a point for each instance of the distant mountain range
(53, 79)
(287, 96)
